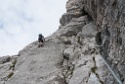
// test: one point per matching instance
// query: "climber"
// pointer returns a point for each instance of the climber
(41, 40)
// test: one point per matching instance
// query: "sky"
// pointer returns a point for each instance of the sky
(22, 20)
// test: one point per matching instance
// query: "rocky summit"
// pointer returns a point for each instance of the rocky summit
(88, 48)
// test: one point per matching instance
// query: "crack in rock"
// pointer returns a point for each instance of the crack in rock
(93, 70)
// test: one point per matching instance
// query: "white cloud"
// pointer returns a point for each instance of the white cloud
(22, 20)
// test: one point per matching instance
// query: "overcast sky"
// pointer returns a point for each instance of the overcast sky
(22, 20)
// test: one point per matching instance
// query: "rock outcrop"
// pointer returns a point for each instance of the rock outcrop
(86, 49)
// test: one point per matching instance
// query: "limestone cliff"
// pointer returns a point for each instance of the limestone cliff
(88, 48)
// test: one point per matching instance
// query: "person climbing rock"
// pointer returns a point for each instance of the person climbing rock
(41, 40)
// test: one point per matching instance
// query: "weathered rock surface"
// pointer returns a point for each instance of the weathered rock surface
(109, 18)
(75, 53)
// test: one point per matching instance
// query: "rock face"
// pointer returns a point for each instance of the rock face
(89, 39)
(109, 17)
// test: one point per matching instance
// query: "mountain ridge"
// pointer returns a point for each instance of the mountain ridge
(75, 54)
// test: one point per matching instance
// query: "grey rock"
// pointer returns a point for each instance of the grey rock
(41, 65)
(109, 18)
(70, 55)
(67, 17)
(73, 27)
(89, 30)
(74, 6)
(4, 59)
